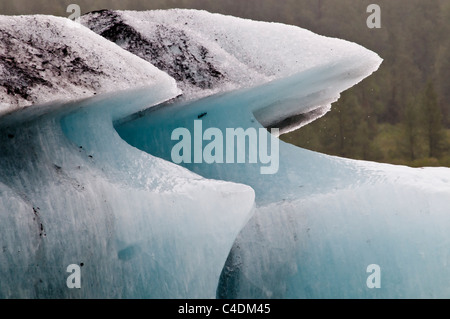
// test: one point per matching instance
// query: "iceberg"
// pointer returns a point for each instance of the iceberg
(320, 221)
(73, 192)
(92, 182)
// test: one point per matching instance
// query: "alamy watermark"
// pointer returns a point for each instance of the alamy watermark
(229, 148)
(374, 19)
(75, 10)
(74, 279)
(374, 279)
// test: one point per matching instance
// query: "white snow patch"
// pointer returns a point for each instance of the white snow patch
(52, 48)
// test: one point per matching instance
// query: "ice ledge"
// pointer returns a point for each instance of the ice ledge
(212, 53)
(46, 58)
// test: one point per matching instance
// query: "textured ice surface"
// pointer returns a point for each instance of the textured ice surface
(73, 192)
(211, 53)
(47, 58)
(321, 220)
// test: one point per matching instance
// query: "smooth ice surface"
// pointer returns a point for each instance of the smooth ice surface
(73, 192)
(320, 220)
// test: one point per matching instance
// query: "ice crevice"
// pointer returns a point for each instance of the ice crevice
(129, 218)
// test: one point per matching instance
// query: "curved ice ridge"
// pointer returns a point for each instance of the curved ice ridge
(211, 53)
(320, 221)
(72, 191)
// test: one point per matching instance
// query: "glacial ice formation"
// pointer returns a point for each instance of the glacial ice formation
(45, 59)
(73, 192)
(90, 182)
(321, 220)
(212, 53)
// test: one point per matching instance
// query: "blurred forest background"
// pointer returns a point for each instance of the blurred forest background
(400, 114)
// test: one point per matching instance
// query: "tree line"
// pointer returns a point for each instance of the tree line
(401, 113)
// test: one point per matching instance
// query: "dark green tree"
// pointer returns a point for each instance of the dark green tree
(411, 141)
(432, 120)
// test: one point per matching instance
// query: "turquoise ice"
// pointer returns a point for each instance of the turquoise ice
(321, 220)
(91, 183)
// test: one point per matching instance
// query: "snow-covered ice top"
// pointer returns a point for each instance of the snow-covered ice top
(212, 53)
(46, 58)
